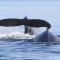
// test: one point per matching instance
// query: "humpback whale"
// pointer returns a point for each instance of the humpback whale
(26, 22)
(46, 36)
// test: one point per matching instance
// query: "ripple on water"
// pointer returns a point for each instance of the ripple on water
(20, 50)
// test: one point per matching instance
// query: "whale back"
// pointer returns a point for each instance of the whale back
(47, 37)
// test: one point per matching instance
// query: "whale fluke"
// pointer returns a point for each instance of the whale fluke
(26, 22)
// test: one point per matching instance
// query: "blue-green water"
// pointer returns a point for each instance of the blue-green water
(20, 50)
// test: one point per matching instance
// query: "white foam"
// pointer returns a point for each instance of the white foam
(16, 35)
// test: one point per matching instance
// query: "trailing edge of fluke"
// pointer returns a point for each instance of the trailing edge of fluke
(26, 22)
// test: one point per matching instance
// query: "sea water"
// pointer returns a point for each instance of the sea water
(23, 50)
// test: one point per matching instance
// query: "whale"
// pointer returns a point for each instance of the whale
(26, 22)
(45, 37)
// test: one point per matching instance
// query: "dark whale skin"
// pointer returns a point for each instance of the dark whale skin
(26, 22)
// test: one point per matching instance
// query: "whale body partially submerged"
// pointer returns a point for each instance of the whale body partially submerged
(51, 38)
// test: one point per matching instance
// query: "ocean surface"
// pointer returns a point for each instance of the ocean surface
(27, 50)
